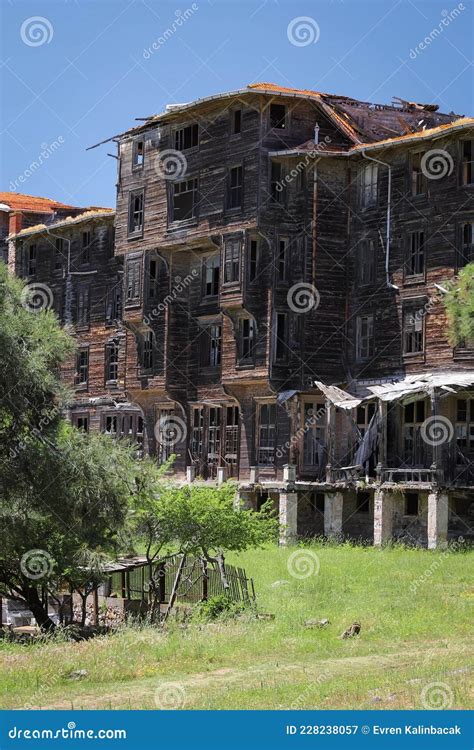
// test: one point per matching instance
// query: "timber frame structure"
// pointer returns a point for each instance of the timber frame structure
(277, 271)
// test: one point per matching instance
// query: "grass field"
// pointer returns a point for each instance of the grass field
(414, 650)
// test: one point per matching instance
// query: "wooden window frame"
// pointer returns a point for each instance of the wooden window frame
(132, 195)
(133, 261)
(83, 322)
(249, 359)
(314, 429)
(282, 260)
(233, 115)
(366, 258)
(285, 120)
(237, 189)
(281, 357)
(410, 307)
(417, 179)
(82, 384)
(179, 137)
(210, 264)
(253, 262)
(271, 429)
(466, 167)
(111, 365)
(193, 191)
(412, 257)
(230, 262)
(368, 190)
(137, 163)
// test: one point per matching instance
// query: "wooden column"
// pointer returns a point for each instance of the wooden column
(330, 438)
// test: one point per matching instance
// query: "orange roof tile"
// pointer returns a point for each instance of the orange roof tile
(22, 202)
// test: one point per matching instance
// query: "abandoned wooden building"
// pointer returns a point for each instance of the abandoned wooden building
(267, 304)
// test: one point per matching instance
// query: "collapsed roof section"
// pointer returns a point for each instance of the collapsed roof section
(361, 122)
(405, 389)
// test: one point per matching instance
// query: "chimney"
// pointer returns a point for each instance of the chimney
(15, 222)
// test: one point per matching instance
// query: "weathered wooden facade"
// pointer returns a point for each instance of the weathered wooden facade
(281, 322)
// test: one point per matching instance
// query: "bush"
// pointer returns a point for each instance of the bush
(219, 607)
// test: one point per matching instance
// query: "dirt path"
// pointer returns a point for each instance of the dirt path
(140, 693)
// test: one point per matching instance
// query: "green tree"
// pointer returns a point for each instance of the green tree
(61, 491)
(459, 303)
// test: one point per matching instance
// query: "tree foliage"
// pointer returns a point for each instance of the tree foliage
(459, 303)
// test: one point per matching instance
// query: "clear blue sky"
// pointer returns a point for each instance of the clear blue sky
(89, 78)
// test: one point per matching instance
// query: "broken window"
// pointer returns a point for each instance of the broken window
(364, 416)
(253, 259)
(418, 179)
(235, 187)
(185, 198)
(467, 244)
(82, 367)
(282, 259)
(365, 337)
(113, 304)
(111, 361)
(231, 448)
(247, 339)
(414, 447)
(236, 121)
(32, 260)
(411, 504)
(278, 116)
(81, 422)
(232, 261)
(133, 280)
(314, 416)
(59, 254)
(147, 344)
(210, 345)
(135, 212)
(281, 337)
(413, 330)
(211, 275)
(187, 137)
(83, 306)
(415, 264)
(467, 162)
(366, 262)
(368, 180)
(138, 154)
(266, 435)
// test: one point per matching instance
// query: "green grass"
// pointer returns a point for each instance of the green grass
(414, 606)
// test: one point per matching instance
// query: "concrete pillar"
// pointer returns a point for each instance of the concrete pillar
(333, 505)
(288, 516)
(438, 506)
(221, 474)
(190, 474)
(289, 473)
(383, 517)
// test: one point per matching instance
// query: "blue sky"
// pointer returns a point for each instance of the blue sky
(91, 75)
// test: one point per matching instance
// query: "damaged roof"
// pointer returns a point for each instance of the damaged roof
(403, 389)
(92, 213)
(362, 122)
